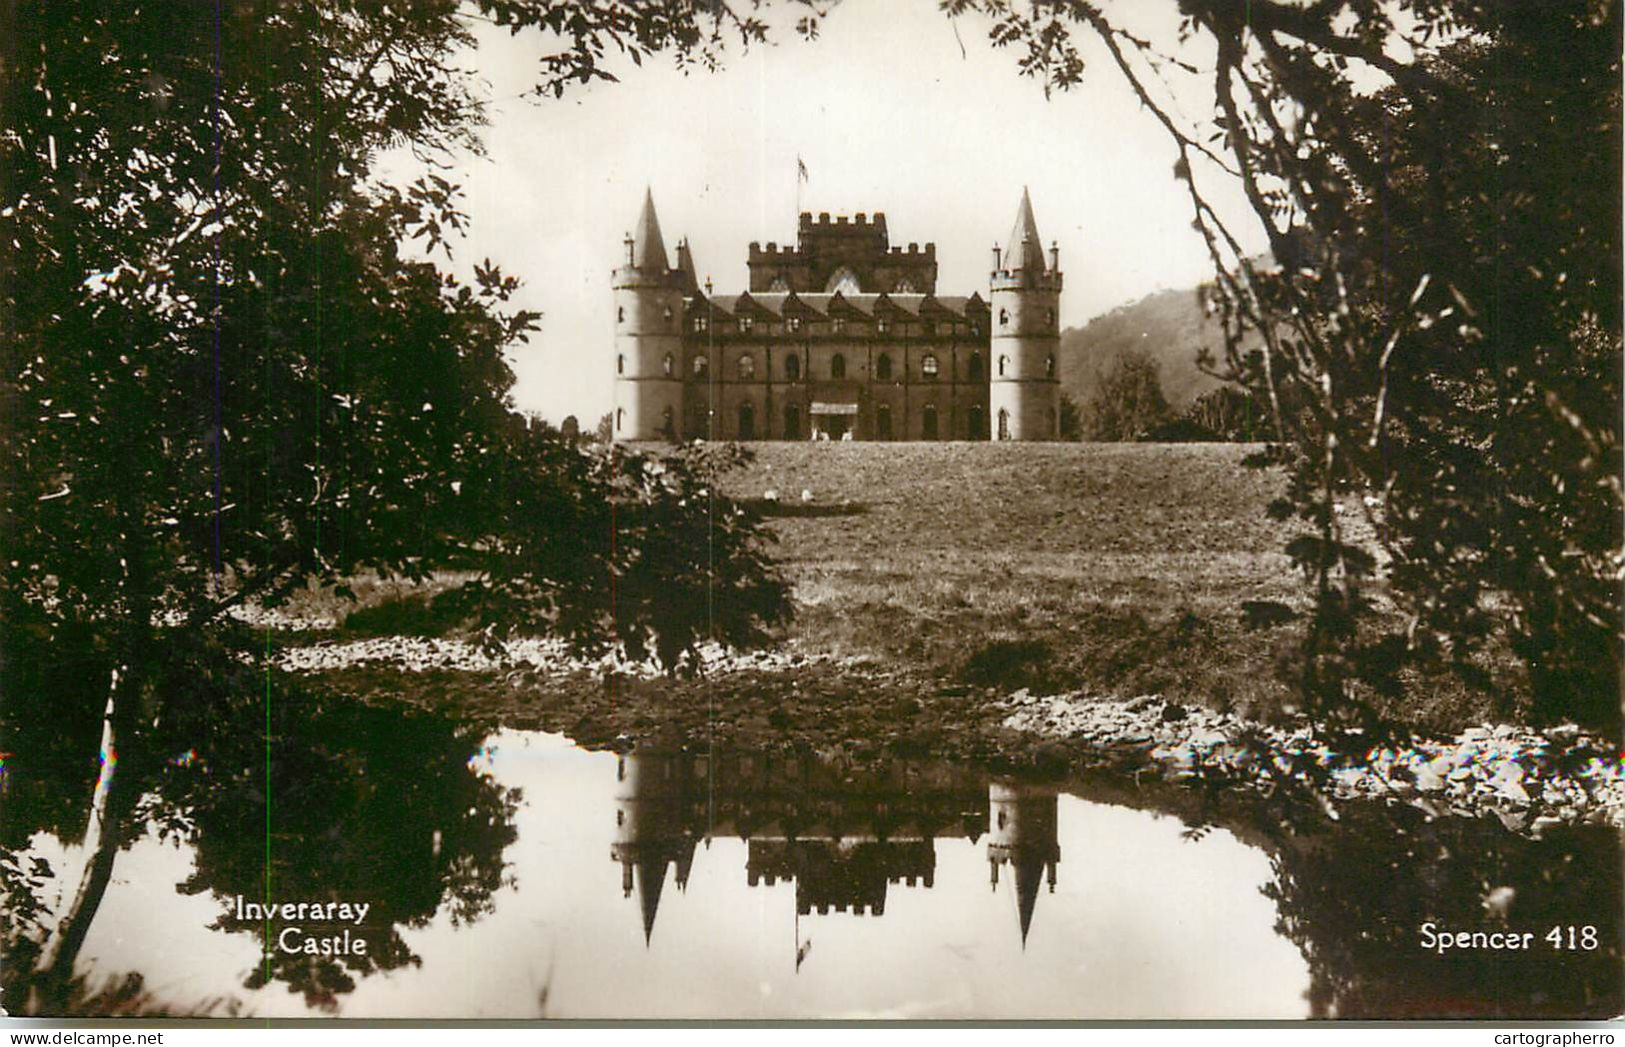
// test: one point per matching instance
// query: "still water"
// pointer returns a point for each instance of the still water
(513, 875)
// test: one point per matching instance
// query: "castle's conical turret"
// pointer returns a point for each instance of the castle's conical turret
(1024, 250)
(649, 314)
(1024, 826)
(1023, 392)
(648, 247)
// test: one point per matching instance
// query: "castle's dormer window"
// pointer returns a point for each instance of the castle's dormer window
(793, 323)
(882, 326)
(747, 366)
(837, 325)
(702, 366)
(975, 330)
(700, 323)
(746, 323)
(929, 366)
(883, 366)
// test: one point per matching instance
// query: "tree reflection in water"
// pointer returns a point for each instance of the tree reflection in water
(1354, 897)
(379, 805)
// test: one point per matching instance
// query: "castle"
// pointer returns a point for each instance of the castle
(846, 836)
(841, 337)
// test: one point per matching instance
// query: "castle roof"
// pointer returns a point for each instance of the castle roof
(774, 305)
(685, 266)
(1024, 250)
(648, 248)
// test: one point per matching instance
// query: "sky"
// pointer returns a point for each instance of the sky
(895, 108)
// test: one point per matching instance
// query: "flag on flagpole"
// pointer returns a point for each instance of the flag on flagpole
(801, 169)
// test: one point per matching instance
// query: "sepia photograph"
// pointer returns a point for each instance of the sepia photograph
(764, 511)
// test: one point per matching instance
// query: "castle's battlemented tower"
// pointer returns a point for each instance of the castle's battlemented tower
(1024, 387)
(649, 335)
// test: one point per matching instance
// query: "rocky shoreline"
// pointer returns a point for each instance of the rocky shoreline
(1529, 780)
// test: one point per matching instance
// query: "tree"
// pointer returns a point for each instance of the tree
(223, 377)
(1127, 401)
(1441, 328)
(1071, 419)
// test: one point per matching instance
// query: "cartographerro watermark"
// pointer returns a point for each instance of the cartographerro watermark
(1561, 937)
(1553, 1039)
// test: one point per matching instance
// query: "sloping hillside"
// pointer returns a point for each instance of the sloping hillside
(1169, 325)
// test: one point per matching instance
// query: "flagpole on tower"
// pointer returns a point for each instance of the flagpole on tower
(801, 176)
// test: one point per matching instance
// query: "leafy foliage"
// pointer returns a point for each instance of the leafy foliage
(1440, 327)
(1127, 401)
(224, 375)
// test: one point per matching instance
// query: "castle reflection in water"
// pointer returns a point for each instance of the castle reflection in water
(843, 834)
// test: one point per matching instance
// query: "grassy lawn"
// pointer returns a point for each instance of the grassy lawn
(1120, 568)
(972, 570)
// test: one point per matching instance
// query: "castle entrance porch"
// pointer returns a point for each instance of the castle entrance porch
(834, 421)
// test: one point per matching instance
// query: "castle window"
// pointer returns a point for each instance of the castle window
(620, 419)
(745, 324)
(792, 422)
(793, 323)
(747, 422)
(974, 367)
(779, 285)
(702, 366)
(883, 422)
(837, 325)
(620, 363)
(668, 427)
(666, 315)
(929, 366)
(620, 314)
(669, 365)
(747, 366)
(928, 422)
(1004, 318)
(1004, 424)
(1004, 362)
(1049, 367)
(837, 366)
(883, 367)
(975, 330)
(904, 286)
(1050, 316)
(700, 323)
(976, 426)
(882, 326)
(792, 367)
